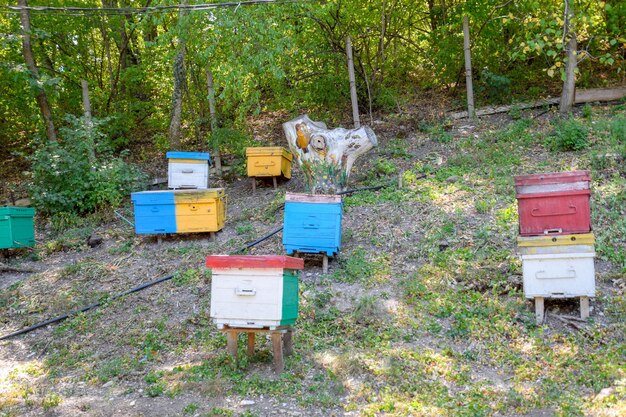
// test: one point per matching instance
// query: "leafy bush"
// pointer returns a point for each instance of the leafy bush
(569, 135)
(497, 87)
(231, 141)
(80, 174)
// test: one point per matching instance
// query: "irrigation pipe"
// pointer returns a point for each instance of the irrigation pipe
(86, 308)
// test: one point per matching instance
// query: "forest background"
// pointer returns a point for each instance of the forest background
(149, 72)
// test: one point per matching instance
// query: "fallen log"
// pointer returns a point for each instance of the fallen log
(582, 96)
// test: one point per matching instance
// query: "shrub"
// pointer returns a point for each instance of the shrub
(497, 87)
(569, 135)
(66, 179)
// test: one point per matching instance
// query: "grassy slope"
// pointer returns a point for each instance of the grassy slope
(422, 315)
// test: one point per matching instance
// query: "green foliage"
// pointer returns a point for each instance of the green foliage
(569, 135)
(497, 87)
(66, 178)
(323, 177)
(231, 141)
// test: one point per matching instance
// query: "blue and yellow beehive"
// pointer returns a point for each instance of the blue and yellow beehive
(179, 211)
(312, 223)
(17, 227)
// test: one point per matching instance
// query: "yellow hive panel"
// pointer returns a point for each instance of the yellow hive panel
(187, 161)
(559, 240)
(200, 210)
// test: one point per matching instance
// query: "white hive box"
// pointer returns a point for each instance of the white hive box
(254, 291)
(559, 275)
(188, 170)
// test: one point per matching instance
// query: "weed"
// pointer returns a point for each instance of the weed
(123, 248)
(384, 167)
(244, 229)
(50, 401)
(218, 411)
(368, 311)
(569, 135)
(587, 111)
(190, 276)
(397, 149)
(191, 408)
(156, 386)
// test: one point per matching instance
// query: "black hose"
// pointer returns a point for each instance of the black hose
(86, 308)
(378, 187)
(256, 242)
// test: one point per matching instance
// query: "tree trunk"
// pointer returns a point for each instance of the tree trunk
(468, 69)
(353, 96)
(217, 157)
(571, 62)
(568, 95)
(42, 99)
(179, 85)
(91, 146)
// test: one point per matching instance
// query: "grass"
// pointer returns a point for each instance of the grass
(419, 316)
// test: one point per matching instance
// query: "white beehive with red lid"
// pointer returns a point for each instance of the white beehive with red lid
(254, 291)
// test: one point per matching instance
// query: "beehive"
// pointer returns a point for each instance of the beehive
(312, 223)
(559, 275)
(188, 170)
(179, 211)
(254, 291)
(17, 227)
(269, 162)
(555, 203)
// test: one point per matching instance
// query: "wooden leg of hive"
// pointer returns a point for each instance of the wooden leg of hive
(288, 342)
(277, 350)
(253, 184)
(159, 240)
(275, 182)
(213, 237)
(539, 310)
(325, 264)
(251, 343)
(231, 343)
(584, 307)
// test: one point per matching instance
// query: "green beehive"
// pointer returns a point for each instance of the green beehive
(17, 227)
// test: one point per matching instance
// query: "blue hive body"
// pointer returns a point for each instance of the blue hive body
(154, 212)
(312, 227)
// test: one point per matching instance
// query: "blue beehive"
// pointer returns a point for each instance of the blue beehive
(312, 223)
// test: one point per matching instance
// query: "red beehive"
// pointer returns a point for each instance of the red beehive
(555, 203)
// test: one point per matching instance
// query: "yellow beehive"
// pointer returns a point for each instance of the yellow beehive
(200, 210)
(269, 162)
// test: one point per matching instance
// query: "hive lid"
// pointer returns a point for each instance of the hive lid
(576, 239)
(268, 151)
(254, 262)
(312, 198)
(203, 156)
(197, 196)
(554, 194)
(552, 178)
(17, 211)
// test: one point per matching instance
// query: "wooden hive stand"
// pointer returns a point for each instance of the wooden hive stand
(282, 342)
(540, 311)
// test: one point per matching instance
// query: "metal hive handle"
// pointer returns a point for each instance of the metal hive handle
(535, 210)
(570, 273)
